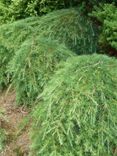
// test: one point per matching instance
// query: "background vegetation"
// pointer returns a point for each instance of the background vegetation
(17, 9)
(107, 15)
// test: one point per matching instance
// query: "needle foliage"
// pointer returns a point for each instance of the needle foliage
(65, 25)
(33, 65)
(11, 38)
(70, 27)
(77, 112)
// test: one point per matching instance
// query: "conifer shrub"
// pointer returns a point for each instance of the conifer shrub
(11, 38)
(33, 65)
(72, 28)
(4, 74)
(77, 111)
(66, 26)
(107, 16)
(12, 35)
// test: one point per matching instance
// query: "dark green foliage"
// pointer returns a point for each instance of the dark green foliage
(33, 65)
(4, 74)
(107, 15)
(67, 26)
(70, 27)
(77, 112)
(96, 2)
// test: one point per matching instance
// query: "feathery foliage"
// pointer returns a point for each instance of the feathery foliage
(66, 26)
(11, 38)
(4, 75)
(77, 112)
(70, 27)
(33, 65)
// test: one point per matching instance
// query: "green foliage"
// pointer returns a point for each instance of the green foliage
(4, 11)
(77, 112)
(33, 65)
(4, 74)
(107, 15)
(11, 38)
(66, 26)
(22, 9)
(70, 27)
(97, 2)
(18, 9)
(2, 139)
(2, 132)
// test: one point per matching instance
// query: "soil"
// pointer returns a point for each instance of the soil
(17, 142)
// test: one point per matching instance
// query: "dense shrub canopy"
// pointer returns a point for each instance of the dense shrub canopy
(11, 38)
(4, 75)
(70, 27)
(66, 26)
(107, 15)
(33, 65)
(18, 9)
(77, 112)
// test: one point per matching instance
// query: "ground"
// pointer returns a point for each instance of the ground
(17, 142)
